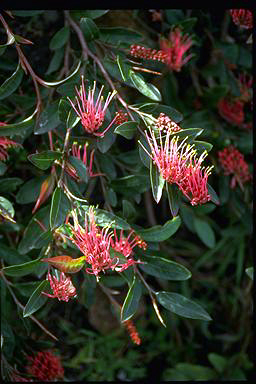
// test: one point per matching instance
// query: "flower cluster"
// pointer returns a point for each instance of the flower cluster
(177, 163)
(121, 117)
(45, 366)
(147, 53)
(91, 111)
(242, 17)
(164, 123)
(175, 48)
(232, 111)
(63, 289)
(95, 243)
(233, 163)
(4, 144)
(134, 335)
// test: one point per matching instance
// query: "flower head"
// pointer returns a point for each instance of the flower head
(233, 163)
(175, 48)
(242, 17)
(4, 144)
(164, 123)
(232, 111)
(45, 366)
(63, 289)
(91, 111)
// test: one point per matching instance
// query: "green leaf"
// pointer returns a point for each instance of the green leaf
(157, 182)
(48, 120)
(191, 133)
(44, 160)
(104, 143)
(63, 110)
(22, 269)
(60, 207)
(89, 28)
(164, 269)
(146, 89)
(127, 129)
(9, 184)
(11, 256)
(73, 119)
(155, 109)
(122, 37)
(128, 209)
(202, 146)
(105, 218)
(11, 84)
(121, 67)
(3, 168)
(93, 14)
(173, 198)
(182, 306)
(205, 232)
(80, 168)
(130, 184)
(17, 128)
(30, 190)
(36, 300)
(249, 272)
(214, 196)
(219, 362)
(60, 38)
(160, 232)
(191, 372)
(27, 13)
(131, 302)
(6, 208)
(54, 83)
(55, 61)
(214, 94)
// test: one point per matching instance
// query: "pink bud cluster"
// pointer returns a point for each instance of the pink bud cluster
(147, 53)
(233, 163)
(242, 17)
(121, 117)
(45, 366)
(164, 123)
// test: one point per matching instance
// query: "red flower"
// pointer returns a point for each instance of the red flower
(194, 184)
(63, 289)
(232, 111)
(45, 366)
(242, 17)
(4, 144)
(134, 335)
(232, 162)
(91, 112)
(175, 48)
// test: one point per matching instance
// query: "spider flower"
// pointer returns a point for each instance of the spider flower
(45, 366)
(91, 111)
(242, 17)
(4, 145)
(175, 49)
(233, 163)
(170, 157)
(231, 111)
(62, 288)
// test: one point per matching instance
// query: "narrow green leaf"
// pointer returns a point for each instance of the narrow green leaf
(60, 38)
(72, 119)
(21, 269)
(11, 84)
(191, 133)
(157, 182)
(120, 36)
(44, 160)
(146, 89)
(160, 232)
(93, 14)
(249, 272)
(56, 61)
(182, 306)
(55, 83)
(202, 146)
(63, 110)
(127, 129)
(89, 28)
(48, 120)
(214, 196)
(60, 207)
(173, 198)
(164, 269)
(17, 128)
(121, 67)
(36, 300)
(131, 302)
(205, 232)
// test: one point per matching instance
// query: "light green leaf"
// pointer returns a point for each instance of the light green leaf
(146, 89)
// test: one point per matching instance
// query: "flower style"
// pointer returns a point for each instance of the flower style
(232, 111)
(4, 144)
(63, 289)
(91, 112)
(175, 48)
(194, 184)
(45, 366)
(232, 162)
(134, 335)
(242, 17)
(164, 123)
(171, 159)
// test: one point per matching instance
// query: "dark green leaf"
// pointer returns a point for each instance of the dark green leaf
(48, 120)
(219, 362)
(131, 184)
(155, 109)
(164, 269)
(11, 84)
(173, 198)
(214, 94)
(60, 207)
(22, 269)
(93, 14)
(160, 232)
(60, 38)
(120, 36)
(89, 28)
(214, 197)
(127, 129)
(36, 300)
(9, 184)
(182, 306)
(3, 168)
(11, 256)
(64, 109)
(26, 13)
(128, 209)
(157, 182)
(80, 168)
(202, 146)
(191, 133)
(205, 232)
(44, 160)
(55, 61)
(131, 302)
(6, 207)
(249, 272)
(104, 143)
(17, 128)
(146, 89)
(105, 218)
(30, 190)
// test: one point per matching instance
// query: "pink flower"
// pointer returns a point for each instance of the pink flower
(63, 289)
(170, 157)
(242, 17)
(4, 144)
(232, 162)
(175, 48)
(232, 111)
(45, 366)
(194, 184)
(91, 111)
